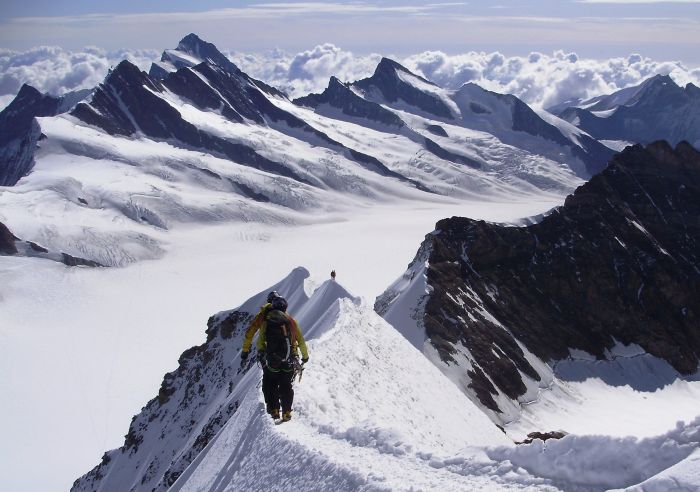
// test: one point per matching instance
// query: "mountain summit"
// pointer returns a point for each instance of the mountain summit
(190, 51)
(617, 265)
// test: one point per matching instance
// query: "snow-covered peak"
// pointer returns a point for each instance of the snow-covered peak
(190, 51)
(392, 68)
(291, 287)
(202, 50)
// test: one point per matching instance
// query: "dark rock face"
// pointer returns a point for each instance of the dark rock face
(658, 109)
(7, 241)
(387, 81)
(437, 130)
(620, 261)
(194, 402)
(202, 50)
(19, 133)
(443, 153)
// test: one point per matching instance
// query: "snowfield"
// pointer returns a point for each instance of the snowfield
(96, 342)
(388, 421)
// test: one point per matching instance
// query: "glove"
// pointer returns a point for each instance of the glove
(261, 356)
(304, 360)
(244, 357)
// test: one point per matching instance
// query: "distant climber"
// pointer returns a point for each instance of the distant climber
(333, 274)
(279, 343)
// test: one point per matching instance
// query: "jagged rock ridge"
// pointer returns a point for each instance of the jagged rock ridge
(197, 399)
(618, 263)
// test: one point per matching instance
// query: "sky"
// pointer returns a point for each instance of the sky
(601, 28)
(543, 51)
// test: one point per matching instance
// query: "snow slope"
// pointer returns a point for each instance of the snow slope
(398, 406)
(107, 336)
(371, 413)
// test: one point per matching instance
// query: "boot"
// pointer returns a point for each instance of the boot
(275, 413)
(287, 416)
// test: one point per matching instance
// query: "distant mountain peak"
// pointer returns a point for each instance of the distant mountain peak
(191, 41)
(28, 91)
(387, 66)
(393, 87)
(191, 50)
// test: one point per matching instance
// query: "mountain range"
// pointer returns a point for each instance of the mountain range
(446, 380)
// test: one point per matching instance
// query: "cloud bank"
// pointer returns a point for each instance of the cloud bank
(540, 79)
(57, 71)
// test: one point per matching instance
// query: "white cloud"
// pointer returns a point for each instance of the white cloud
(539, 79)
(545, 79)
(57, 71)
(307, 71)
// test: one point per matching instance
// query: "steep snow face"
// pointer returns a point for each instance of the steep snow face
(365, 391)
(370, 413)
(402, 304)
(195, 401)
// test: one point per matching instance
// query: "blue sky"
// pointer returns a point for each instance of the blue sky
(602, 28)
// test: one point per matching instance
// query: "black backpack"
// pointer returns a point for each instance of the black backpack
(278, 341)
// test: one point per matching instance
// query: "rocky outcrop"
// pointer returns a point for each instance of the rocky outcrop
(7, 241)
(13, 246)
(341, 96)
(618, 263)
(19, 132)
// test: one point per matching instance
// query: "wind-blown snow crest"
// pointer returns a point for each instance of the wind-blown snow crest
(371, 413)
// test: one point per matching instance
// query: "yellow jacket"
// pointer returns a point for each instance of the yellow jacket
(259, 322)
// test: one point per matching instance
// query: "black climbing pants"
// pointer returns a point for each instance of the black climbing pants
(277, 387)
